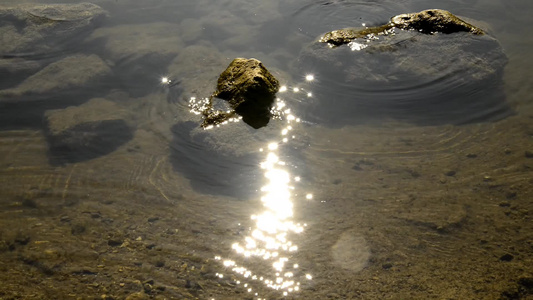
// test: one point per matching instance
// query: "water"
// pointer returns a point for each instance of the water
(412, 189)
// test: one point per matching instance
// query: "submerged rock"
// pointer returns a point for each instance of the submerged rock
(139, 54)
(69, 74)
(31, 29)
(250, 90)
(440, 71)
(88, 131)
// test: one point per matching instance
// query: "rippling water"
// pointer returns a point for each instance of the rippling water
(388, 170)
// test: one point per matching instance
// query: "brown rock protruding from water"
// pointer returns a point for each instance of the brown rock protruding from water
(427, 21)
(433, 20)
(249, 88)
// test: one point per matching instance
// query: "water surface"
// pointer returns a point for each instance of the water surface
(111, 189)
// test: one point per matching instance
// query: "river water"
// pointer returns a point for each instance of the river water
(365, 189)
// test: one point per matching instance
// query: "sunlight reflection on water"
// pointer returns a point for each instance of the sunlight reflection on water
(270, 239)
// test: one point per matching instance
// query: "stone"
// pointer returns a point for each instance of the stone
(14, 70)
(506, 257)
(429, 21)
(385, 72)
(432, 21)
(73, 73)
(33, 29)
(88, 131)
(250, 90)
(139, 53)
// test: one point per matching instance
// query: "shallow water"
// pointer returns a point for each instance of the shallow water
(407, 188)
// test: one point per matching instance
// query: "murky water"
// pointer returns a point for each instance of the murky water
(403, 173)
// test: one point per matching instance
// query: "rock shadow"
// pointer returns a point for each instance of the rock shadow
(209, 171)
(87, 141)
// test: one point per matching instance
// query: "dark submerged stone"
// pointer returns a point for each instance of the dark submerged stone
(85, 132)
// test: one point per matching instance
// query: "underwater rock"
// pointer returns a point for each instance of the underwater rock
(69, 74)
(88, 131)
(250, 90)
(139, 54)
(33, 29)
(15, 70)
(384, 72)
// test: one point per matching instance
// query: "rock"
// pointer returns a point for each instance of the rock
(449, 173)
(84, 132)
(369, 74)
(507, 257)
(32, 29)
(139, 54)
(71, 74)
(114, 242)
(250, 90)
(14, 70)
(429, 21)
(432, 21)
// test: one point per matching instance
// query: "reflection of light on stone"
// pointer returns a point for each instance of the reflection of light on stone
(309, 95)
(283, 89)
(309, 77)
(309, 196)
(354, 46)
(165, 80)
(296, 90)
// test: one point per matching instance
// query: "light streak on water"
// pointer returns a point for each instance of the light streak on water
(269, 240)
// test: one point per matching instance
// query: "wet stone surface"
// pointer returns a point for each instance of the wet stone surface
(250, 90)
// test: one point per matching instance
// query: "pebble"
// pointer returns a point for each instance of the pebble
(386, 266)
(505, 204)
(449, 173)
(114, 242)
(507, 257)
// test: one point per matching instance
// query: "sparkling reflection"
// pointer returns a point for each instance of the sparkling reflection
(269, 240)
